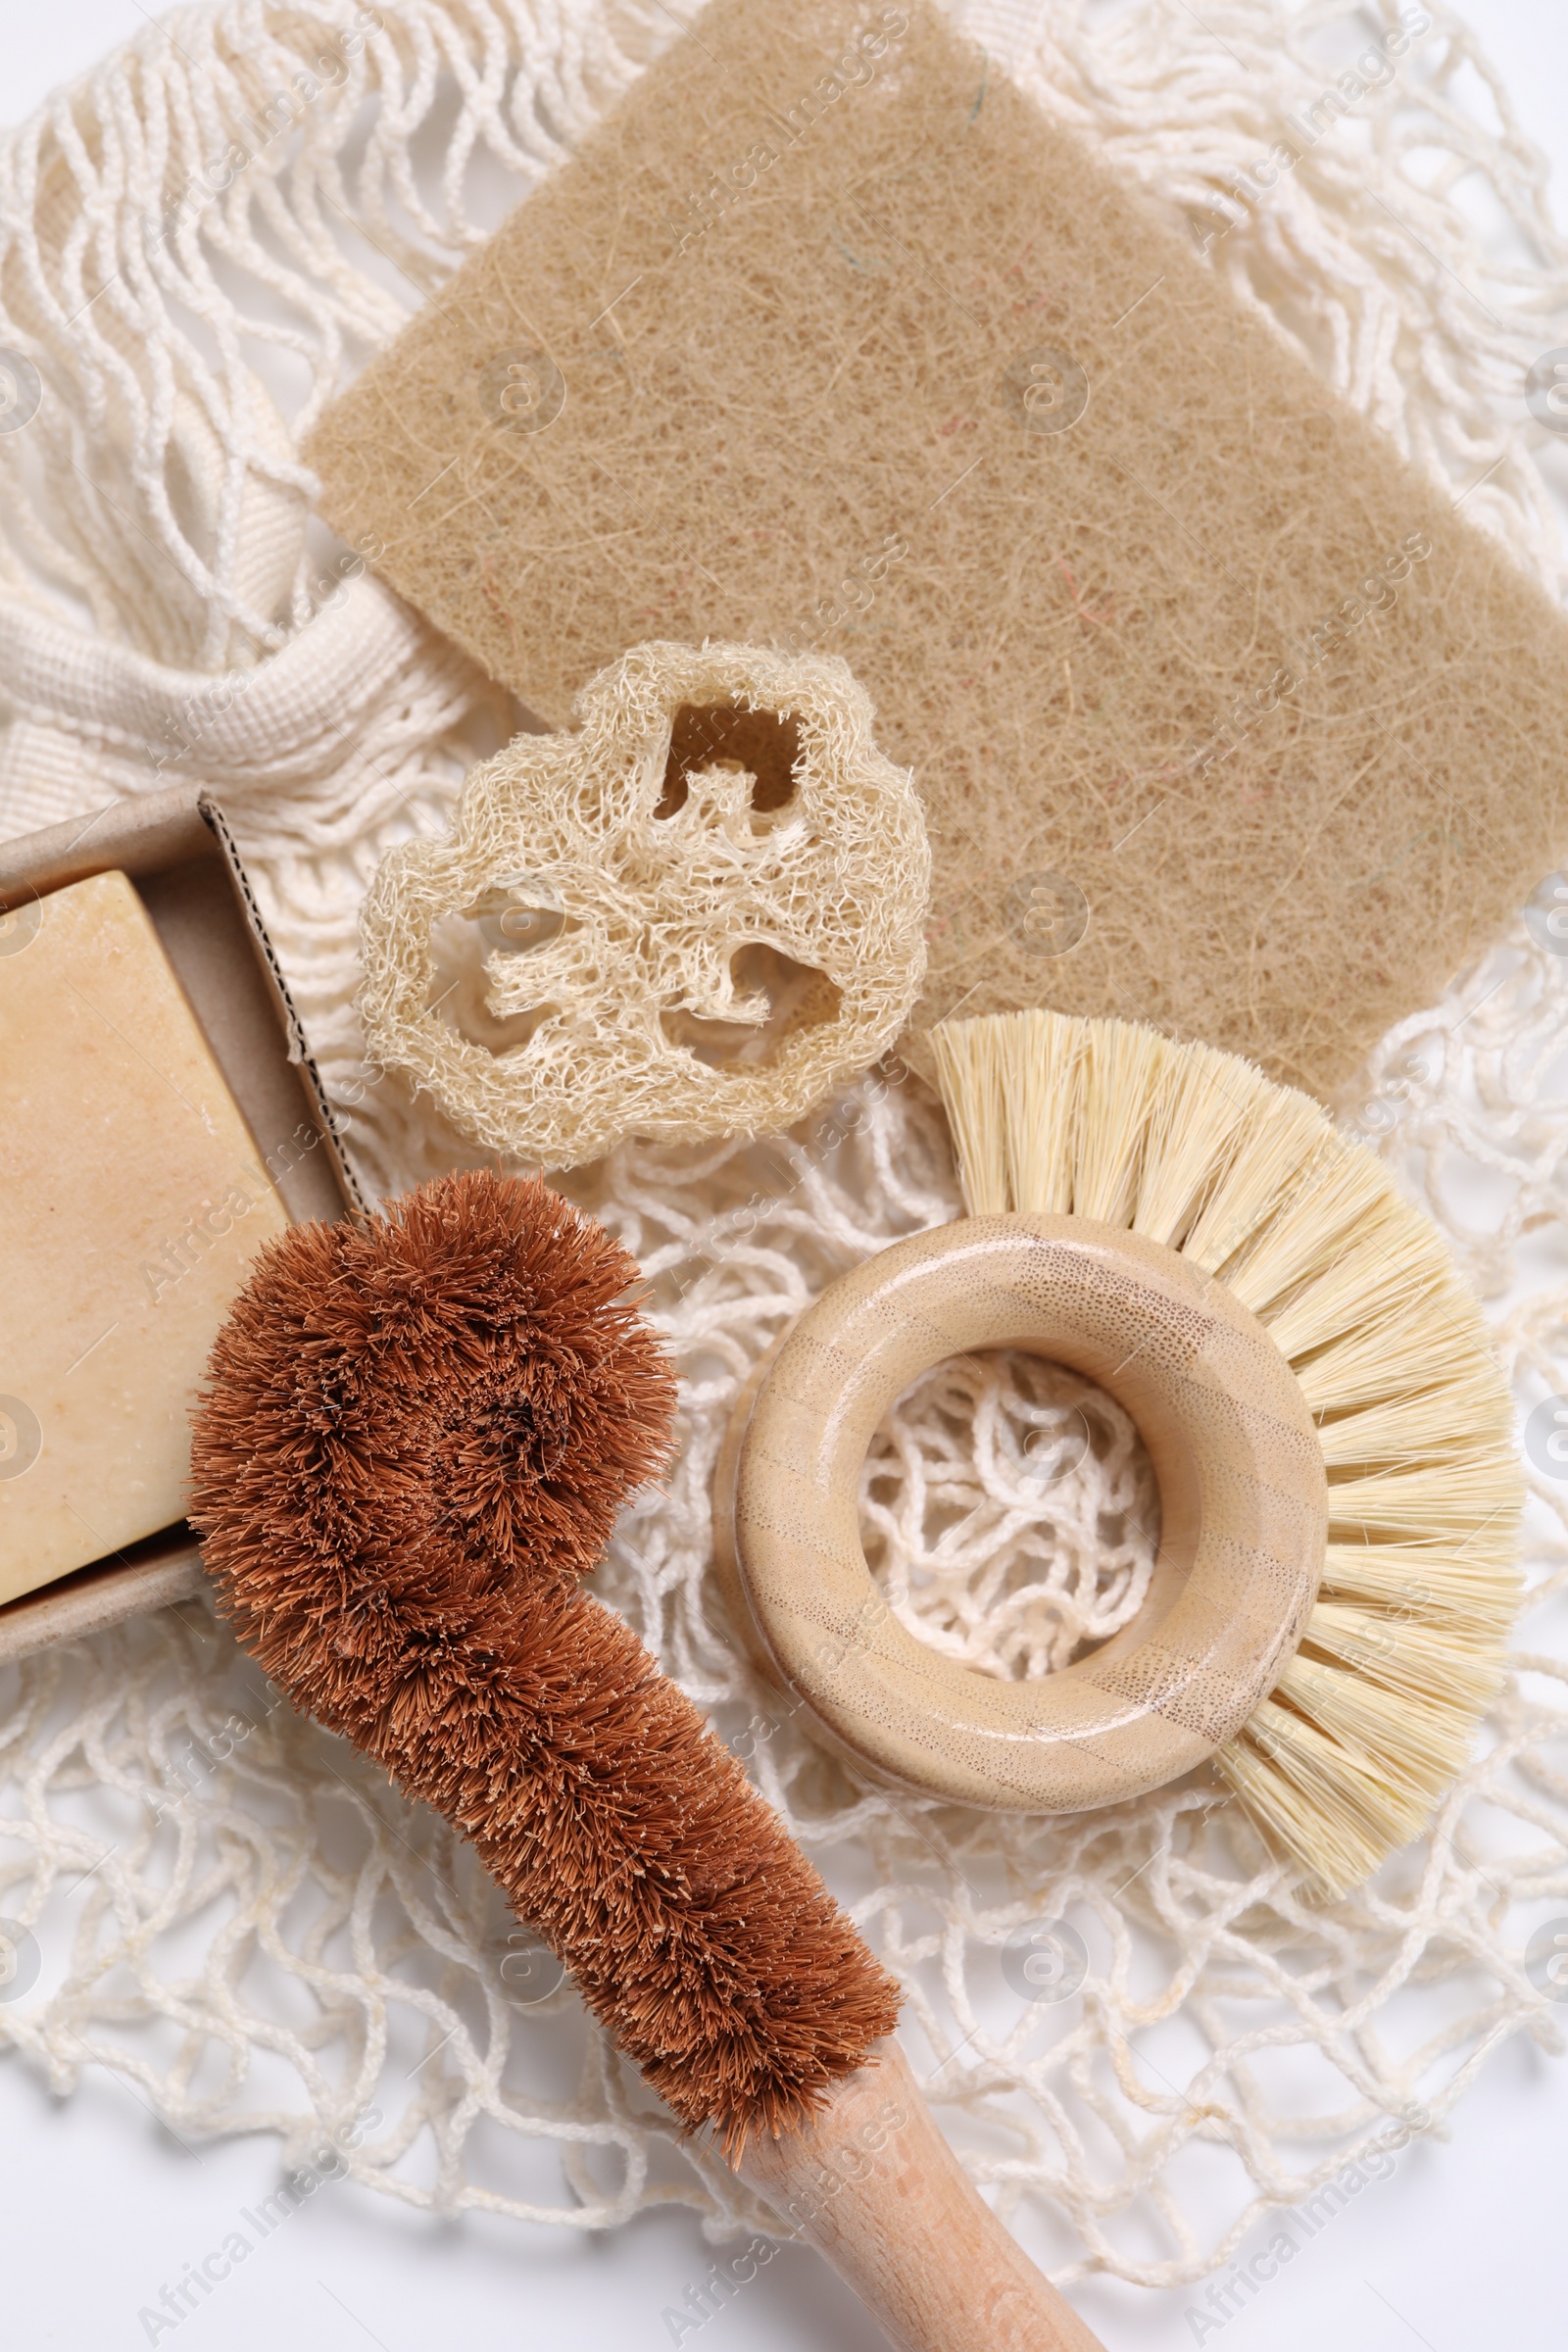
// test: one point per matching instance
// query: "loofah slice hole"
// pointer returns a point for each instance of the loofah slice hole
(518, 916)
(785, 996)
(764, 745)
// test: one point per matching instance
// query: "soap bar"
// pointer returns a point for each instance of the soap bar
(132, 1198)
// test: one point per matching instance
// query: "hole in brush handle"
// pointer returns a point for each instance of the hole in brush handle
(1242, 1492)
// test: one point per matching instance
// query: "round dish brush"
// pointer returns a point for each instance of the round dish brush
(1372, 1719)
(415, 1440)
(1331, 1438)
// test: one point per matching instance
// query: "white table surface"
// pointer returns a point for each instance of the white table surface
(1463, 2246)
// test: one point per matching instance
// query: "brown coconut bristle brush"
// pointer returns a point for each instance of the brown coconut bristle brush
(416, 1436)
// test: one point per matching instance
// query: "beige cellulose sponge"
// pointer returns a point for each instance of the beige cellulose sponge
(691, 917)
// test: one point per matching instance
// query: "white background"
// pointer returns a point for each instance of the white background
(1463, 2246)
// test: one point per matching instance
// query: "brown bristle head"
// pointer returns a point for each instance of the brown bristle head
(415, 1440)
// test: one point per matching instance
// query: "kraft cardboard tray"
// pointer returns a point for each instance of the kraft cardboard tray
(179, 854)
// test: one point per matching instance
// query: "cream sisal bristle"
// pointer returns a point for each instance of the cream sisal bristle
(1374, 1717)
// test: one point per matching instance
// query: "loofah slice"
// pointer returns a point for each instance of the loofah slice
(703, 911)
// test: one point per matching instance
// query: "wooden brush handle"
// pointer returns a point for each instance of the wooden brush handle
(1243, 1502)
(874, 2187)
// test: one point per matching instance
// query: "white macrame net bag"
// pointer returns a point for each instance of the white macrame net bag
(232, 1910)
